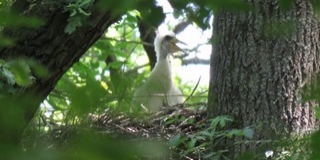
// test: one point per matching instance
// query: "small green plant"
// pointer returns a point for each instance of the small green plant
(78, 13)
(199, 143)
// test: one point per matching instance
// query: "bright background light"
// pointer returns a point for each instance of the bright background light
(192, 36)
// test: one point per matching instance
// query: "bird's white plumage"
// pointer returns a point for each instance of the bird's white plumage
(159, 88)
(160, 49)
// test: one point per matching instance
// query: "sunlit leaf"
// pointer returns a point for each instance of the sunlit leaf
(116, 64)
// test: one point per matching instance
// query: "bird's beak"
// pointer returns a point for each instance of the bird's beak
(173, 45)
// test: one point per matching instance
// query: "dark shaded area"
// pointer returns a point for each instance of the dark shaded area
(147, 35)
(257, 74)
(50, 46)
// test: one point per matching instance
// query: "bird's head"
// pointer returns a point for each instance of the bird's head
(165, 44)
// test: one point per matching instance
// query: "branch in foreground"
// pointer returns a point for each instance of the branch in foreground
(195, 60)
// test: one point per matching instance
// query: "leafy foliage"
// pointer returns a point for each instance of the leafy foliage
(18, 72)
(199, 144)
(78, 14)
(9, 19)
(105, 78)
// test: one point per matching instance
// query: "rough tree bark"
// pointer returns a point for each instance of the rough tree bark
(52, 48)
(257, 75)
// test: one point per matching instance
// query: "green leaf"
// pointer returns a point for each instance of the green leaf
(120, 53)
(192, 143)
(80, 10)
(9, 76)
(74, 22)
(85, 3)
(234, 132)
(57, 103)
(116, 64)
(175, 141)
(209, 155)
(102, 44)
(206, 133)
(73, 13)
(132, 19)
(220, 120)
(21, 72)
(38, 69)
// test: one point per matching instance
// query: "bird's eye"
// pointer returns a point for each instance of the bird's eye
(168, 37)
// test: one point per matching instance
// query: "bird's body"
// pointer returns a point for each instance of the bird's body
(159, 89)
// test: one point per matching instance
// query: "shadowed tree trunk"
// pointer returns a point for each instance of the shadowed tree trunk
(261, 59)
(50, 46)
(147, 36)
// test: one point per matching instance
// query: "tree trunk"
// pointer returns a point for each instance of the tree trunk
(50, 46)
(147, 36)
(260, 61)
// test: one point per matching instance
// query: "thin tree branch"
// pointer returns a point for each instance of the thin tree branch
(195, 60)
(125, 41)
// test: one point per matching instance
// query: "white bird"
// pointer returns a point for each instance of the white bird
(159, 89)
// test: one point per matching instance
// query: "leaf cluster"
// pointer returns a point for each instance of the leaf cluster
(200, 144)
(19, 72)
(78, 13)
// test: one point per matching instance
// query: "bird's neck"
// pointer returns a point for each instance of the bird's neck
(164, 65)
(161, 76)
(162, 56)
